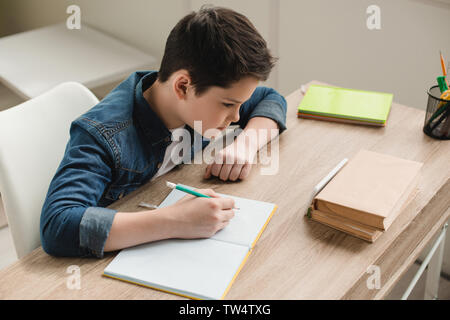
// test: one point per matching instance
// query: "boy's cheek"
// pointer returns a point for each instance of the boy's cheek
(206, 122)
(210, 131)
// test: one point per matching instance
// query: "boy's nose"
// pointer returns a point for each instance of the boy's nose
(235, 115)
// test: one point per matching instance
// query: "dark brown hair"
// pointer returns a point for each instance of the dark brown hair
(218, 47)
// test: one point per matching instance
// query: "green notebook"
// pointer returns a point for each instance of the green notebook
(358, 106)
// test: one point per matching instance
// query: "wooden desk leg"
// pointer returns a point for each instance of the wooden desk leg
(434, 269)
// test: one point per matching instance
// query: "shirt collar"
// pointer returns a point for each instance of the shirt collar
(152, 126)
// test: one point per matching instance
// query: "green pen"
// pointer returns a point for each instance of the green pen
(187, 190)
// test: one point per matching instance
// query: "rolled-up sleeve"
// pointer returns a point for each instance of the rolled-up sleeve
(264, 102)
(71, 222)
(94, 229)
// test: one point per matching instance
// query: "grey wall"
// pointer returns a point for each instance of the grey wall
(325, 40)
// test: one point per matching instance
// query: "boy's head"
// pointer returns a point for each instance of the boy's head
(212, 57)
(217, 46)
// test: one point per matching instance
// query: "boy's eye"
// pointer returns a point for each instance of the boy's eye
(228, 105)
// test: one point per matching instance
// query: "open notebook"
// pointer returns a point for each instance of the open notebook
(199, 268)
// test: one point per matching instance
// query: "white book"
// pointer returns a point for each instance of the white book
(198, 268)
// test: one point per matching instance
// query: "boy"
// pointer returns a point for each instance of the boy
(212, 64)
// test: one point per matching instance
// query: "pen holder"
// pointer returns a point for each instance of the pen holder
(437, 117)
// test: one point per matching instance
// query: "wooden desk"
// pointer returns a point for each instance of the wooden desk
(295, 258)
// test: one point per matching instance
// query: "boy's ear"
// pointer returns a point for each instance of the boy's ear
(182, 83)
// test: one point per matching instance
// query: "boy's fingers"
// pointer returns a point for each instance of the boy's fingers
(245, 171)
(215, 170)
(225, 171)
(228, 214)
(208, 172)
(223, 225)
(226, 203)
(208, 192)
(236, 172)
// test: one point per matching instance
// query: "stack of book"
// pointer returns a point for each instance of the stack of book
(367, 195)
(345, 105)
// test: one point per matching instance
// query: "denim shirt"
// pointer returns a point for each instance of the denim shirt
(114, 148)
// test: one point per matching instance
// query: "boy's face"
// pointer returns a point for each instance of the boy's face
(217, 107)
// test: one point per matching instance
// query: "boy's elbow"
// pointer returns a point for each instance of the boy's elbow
(59, 234)
(282, 101)
(279, 98)
(52, 243)
(284, 104)
(58, 246)
(48, 246)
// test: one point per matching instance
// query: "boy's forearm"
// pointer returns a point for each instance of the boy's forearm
(134, 228)
(259, 124)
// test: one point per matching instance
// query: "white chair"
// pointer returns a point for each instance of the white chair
(33, 137)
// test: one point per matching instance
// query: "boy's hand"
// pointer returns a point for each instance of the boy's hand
(197, 217)
(233, 162)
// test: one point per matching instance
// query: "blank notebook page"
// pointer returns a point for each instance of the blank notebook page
(199, 268)
(244, 228)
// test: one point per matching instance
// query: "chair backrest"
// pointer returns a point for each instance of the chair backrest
(33, 137)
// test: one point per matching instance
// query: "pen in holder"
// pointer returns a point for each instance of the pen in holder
(437, 117)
